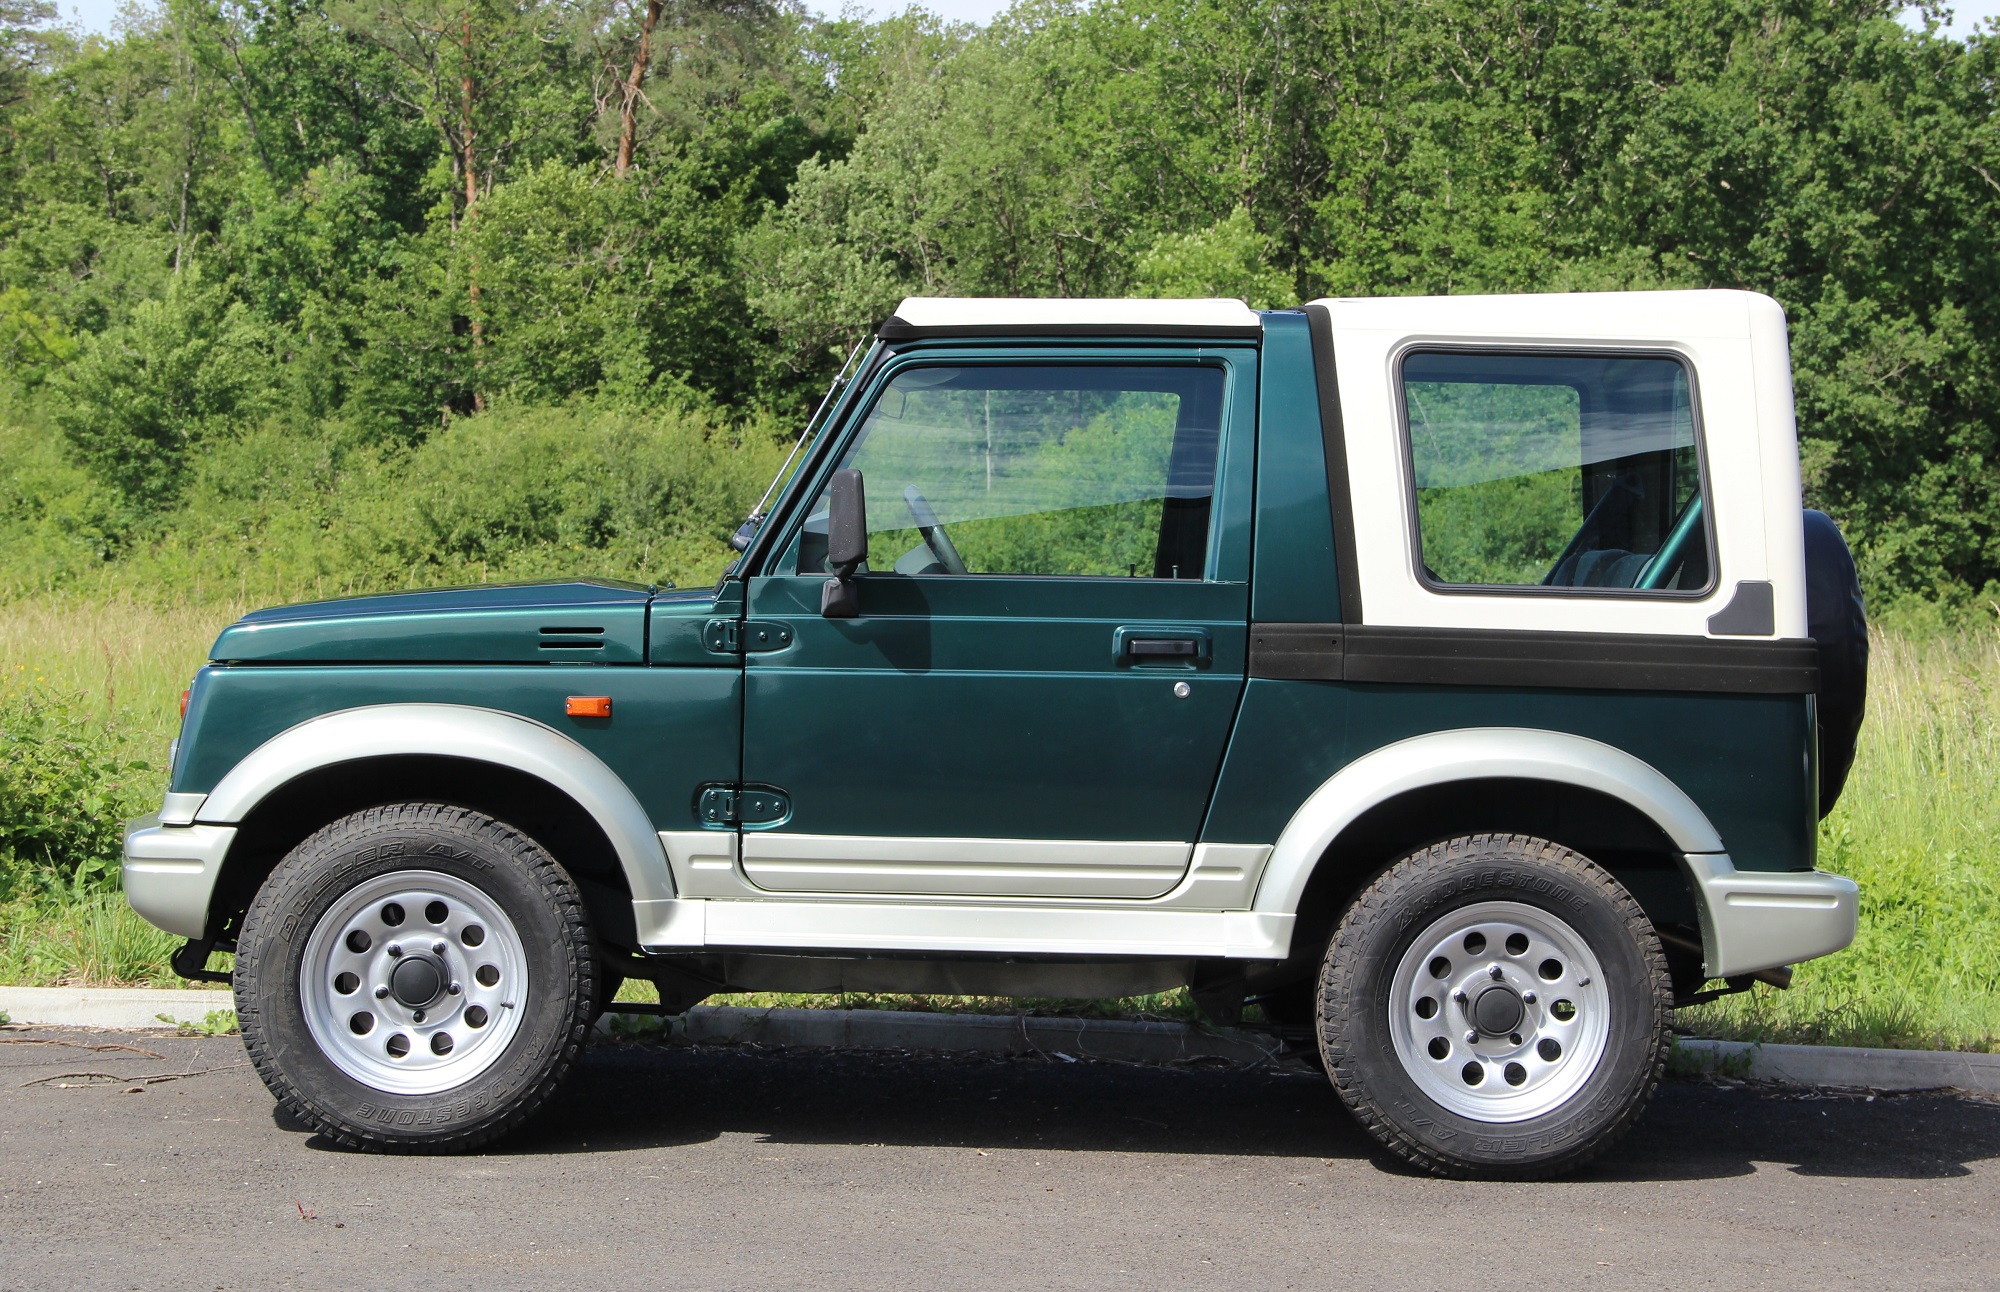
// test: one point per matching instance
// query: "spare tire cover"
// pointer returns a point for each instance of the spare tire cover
(1838, 621)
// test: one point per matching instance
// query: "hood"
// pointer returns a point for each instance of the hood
(586, 621)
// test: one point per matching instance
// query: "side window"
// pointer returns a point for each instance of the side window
(1557, 471)
(1056, 470)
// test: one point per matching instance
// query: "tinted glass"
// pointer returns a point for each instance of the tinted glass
(1555, 471)
(1075, 470)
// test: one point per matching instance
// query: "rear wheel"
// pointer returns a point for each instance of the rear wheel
(415, 977)
(1495, 1006)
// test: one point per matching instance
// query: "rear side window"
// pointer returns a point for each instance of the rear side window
(1556, 471)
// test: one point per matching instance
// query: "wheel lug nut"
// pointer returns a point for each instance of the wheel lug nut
(395, 948)
(1493, 971)
(1459, 996)
(1528, 997)
(1515, 1039)
(454, 989)
(381, 993)
(437, 948)
(416, 1016)
(1472, 1037)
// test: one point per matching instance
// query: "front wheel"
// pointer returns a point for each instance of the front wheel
(415, 978)
(1495, 1006)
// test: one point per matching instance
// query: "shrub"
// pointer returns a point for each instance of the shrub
(64, 792)
(138, 399)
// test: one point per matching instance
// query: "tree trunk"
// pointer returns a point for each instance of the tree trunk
(628, 119)
(471, 169)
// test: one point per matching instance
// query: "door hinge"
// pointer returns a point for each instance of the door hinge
(753, 807)
(745, 636)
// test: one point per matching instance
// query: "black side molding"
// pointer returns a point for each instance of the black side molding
(1298, 652)
(1544, 660)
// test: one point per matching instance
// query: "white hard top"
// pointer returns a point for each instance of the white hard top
(1027, 313)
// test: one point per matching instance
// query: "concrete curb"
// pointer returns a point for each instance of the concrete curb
(1845, 1066)
(115, 1007)
(1115, 1040)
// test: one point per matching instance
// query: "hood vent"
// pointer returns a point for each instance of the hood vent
(573, 638)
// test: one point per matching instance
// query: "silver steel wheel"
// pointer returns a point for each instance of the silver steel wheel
(414, 982)
(1499, 1011)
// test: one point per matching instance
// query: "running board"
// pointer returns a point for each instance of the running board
(823, 925)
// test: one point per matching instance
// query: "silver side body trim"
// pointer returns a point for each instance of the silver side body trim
(827, 924)
(454, 731)
(170, 872)
(704, 865)
(1473, 753)
(1752, 919)
(181, 809)
(1221, 877)
(818, 863)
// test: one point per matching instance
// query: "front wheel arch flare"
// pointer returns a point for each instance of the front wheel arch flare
(456, 732)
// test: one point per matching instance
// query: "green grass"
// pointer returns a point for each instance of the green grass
(1918, 828)
(92, 941)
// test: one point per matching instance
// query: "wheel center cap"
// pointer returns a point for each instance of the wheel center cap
(417, 980)
(1497, 1011)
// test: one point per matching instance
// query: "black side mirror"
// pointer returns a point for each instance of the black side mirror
(740, 540)
(846, 544)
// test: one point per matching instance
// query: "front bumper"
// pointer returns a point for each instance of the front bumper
(1761, 919)
(170, 872)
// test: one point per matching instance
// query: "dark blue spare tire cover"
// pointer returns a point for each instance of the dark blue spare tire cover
(1838, 621)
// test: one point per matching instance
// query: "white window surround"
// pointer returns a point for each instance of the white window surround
(1734, 342)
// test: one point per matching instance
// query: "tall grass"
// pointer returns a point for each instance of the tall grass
(127, 659)
(85, 940)
(1919, 829)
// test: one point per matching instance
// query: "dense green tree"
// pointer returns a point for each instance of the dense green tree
(359, 221)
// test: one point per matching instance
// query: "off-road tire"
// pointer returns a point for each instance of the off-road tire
(513, 872)
(1381, 927)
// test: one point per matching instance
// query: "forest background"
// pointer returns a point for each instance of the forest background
(298, 299)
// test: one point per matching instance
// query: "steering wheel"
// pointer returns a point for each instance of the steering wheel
(931, 529)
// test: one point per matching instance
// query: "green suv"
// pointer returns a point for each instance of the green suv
(1458, 680)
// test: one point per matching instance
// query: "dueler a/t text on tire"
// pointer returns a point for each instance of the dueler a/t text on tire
(1495, 1006)
(415, 978)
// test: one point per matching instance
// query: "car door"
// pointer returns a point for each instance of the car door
(1035, 695)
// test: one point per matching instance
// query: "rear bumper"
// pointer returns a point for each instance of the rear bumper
(170, 872)
(1755, 919)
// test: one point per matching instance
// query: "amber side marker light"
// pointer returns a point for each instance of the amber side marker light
(588, 706)
(184, 703)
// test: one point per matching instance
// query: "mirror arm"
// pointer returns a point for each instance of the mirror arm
(837, 599)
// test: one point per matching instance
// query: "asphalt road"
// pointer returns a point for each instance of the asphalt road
(737, 1169)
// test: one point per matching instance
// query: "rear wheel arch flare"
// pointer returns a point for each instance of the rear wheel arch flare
(1416, 791)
